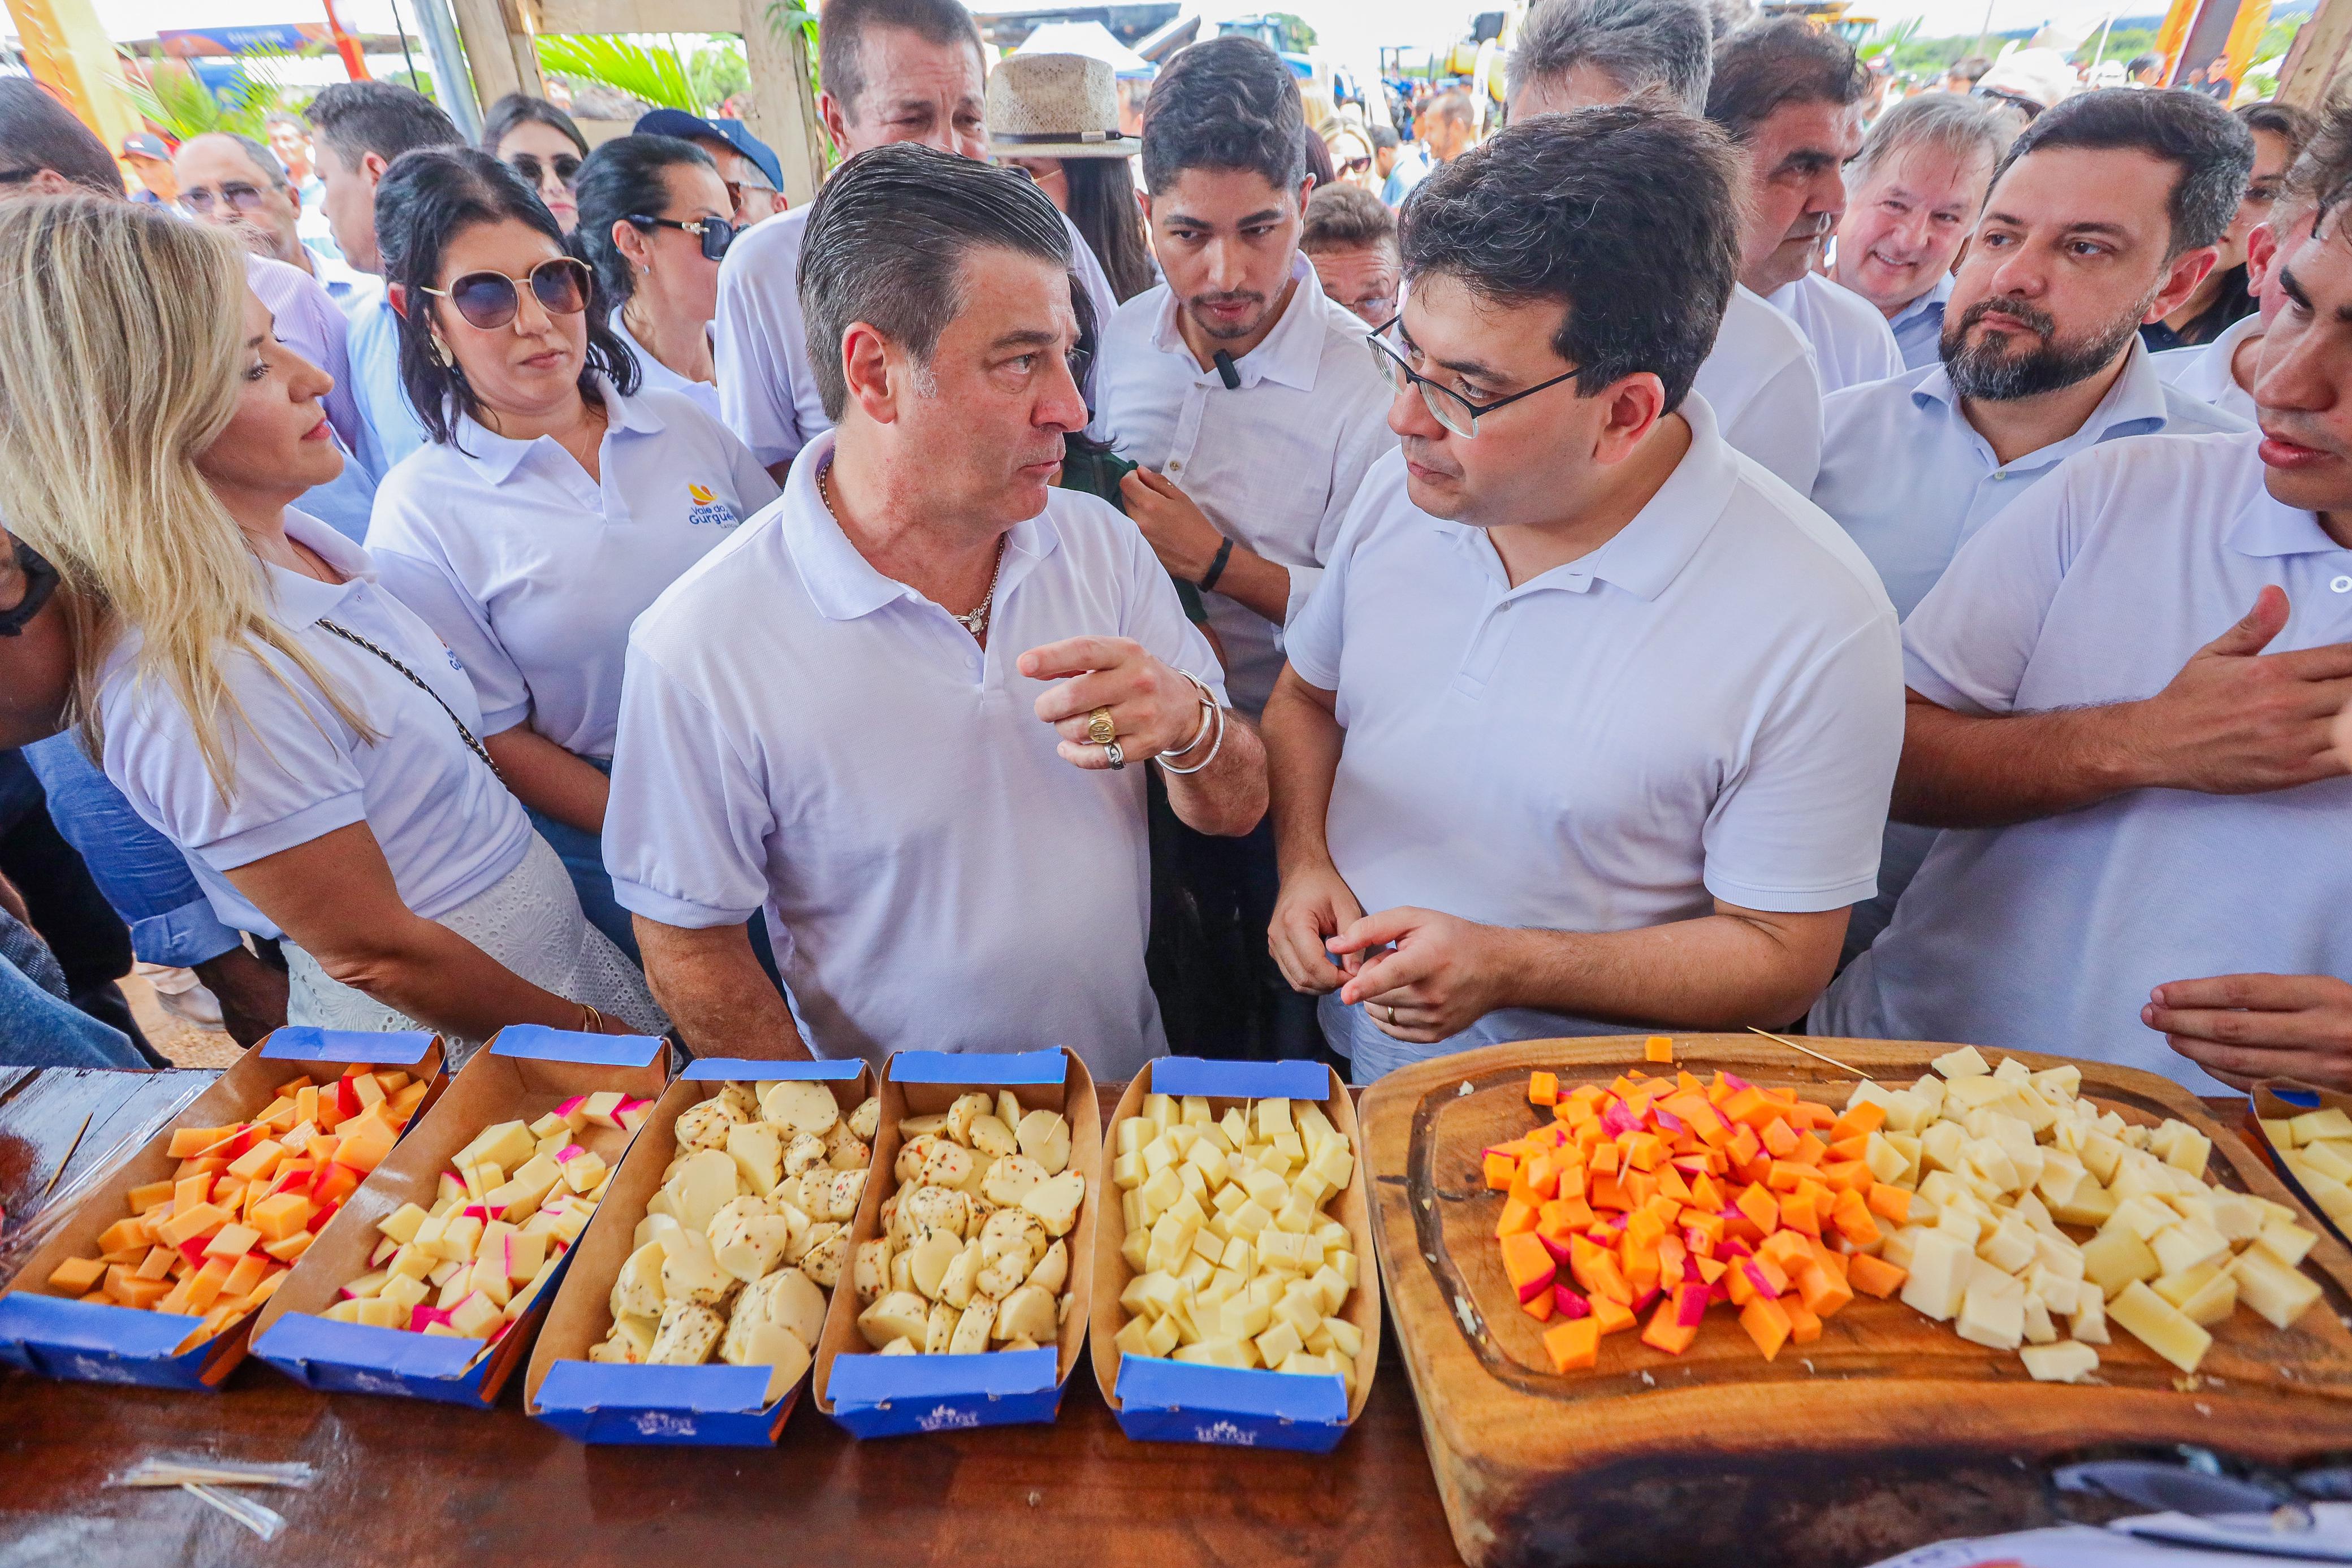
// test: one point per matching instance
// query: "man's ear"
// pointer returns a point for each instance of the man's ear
(372, 168)
(1959, 256)
(2262, 254)
(1635, 406)
(874, 383)
(2186, 271)
(835, 119)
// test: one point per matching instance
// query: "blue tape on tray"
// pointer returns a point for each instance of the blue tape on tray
(2307, 1098)
(1241, 1080)
(304, 1044)
(744, 1069)
(90, 1343)
(1177, 1402)
(885, 1396)
(714, 1406)
(977, 1067)
(537, 1042)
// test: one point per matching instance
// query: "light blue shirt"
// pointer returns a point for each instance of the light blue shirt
(1411, 168)
(2049, 934)
(1908, 476)
(1920, 325)
(374, 348)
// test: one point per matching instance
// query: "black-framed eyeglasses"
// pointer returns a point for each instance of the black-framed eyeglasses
(1450, 409)
(245, 198)
(527, 165)
(2025, 105)
(491, 299)
(716, 233)
(19, 176)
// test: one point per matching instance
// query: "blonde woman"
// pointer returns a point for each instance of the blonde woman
(302, 735)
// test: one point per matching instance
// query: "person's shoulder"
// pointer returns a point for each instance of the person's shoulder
(2166, 473)
(418, 488)
(1868, 403)
(1818, 576)
(735, 587)
(1851, 308)
(1754, 331)
(764, 246)
(1138, 318)
(681, 417)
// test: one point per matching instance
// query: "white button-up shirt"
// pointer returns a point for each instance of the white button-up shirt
(532, 571)
(765, 386)
(448, 828)
(2049, 934)
(1764, 390)
(1709, 706)
(1851, 340)
(1918, 327)
(801, 733)
(2203, 371)
(1908, 476)
(1274, 463)
(655, 376)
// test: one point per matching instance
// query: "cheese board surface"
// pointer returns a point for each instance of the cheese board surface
(1888, 1431)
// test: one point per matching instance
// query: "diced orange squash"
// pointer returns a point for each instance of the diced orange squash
(1501, 1171)
(1612, 1315)
(1859, 1121)
(1543, 1089)
(1665, 1333)
(1779, 1138)
(1762, 1209)
(1811, 1150)
(1710, 1270)
(1844, 1149)
(1800, 1211)
(1889, 1202)
(1526, 1259)
(1639, 1186)
(1874, 1276)
(1804, 1324)
(1824, 1290)
(1847, 1175)
(1573, 1345)
(1539, 1306)
(1565, 1214)
(1766, 1323)
(1658, 1047)
(1605, 1159)
(1517, 1217)
(1745, 1146)
(1853, 1221)
(1607, 1192)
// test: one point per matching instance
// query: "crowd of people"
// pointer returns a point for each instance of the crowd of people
(1708, 553)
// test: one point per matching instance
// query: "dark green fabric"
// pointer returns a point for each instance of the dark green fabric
(1098, 473)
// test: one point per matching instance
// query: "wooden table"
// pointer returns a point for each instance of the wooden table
(413, 1484)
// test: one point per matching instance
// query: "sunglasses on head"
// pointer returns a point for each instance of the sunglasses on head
(716, 233)
(491, 299)
(245, 198)
(527, 165)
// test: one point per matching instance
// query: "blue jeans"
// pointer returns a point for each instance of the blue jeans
(39, 1027)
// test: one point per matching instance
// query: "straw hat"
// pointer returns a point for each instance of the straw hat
(1055, 106)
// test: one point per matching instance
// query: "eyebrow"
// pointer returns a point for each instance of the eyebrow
(1027, 337)
(2083, 226)
(1476, 370)
(1263, 215)
(2294, 290)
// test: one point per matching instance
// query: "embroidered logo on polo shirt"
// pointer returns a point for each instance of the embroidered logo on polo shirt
(710, 508)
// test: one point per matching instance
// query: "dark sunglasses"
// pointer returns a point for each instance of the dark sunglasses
(527, 165)
(245, 198)
(1355, 165)
(716, 233)
(489, 299)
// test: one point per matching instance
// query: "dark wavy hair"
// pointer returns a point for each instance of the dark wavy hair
(428, 198)
(626, 178)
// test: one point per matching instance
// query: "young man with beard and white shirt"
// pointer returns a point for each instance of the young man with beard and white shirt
(2105, 210)
(2121, 701)
(1595, 718)
(1791, 97)
(1913, 194)
(906, 710)
(1759, 379)
(892, 70)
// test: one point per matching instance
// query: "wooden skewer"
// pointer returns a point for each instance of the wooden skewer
(70, 1153)
(1809, 1051)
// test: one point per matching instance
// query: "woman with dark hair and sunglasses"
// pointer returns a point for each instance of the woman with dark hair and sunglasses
(539, 141)
(554, 498)
(655, 220)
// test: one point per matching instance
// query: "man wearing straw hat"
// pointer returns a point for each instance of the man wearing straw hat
(892, 70)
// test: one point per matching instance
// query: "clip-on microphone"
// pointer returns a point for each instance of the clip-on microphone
(1225, 372)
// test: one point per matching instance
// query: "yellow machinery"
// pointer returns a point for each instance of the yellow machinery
(69, 53)
(2219, 35)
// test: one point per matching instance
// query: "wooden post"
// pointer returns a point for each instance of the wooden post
(499, 48)
(784, 110)
(2316, 57)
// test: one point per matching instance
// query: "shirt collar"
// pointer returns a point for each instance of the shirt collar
(301, 600)
(1290, 353)
(2266, 525)
(845, 585)
(496, 457)
(1935, 299)
(2135, 405)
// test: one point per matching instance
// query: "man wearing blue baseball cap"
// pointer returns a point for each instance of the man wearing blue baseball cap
(754, 175)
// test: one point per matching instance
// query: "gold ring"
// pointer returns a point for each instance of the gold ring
(1099, 729)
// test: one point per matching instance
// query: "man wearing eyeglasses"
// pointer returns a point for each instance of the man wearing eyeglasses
(238, 183)
(1591, 724)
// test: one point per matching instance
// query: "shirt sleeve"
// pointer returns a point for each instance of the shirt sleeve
(1316, 635)
(1156, 618)
(686, 826)
(1780, 426)
(1366, 439)
(757, 333)
(414, 570)
(1799, 829)
(754, 487)
(1968, 643)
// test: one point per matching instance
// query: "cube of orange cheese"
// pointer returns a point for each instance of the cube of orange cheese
(246, 1273)
(127, 1288)
(191, 1190)
(293, 1247)
(277, 1217)
(1659, 1048)
(189, 1141)
(258, 1160)
(204, 1287)
(140, 1199)
(77, 1274)
(183, 1229)
(232, 1242)
(133, 1236)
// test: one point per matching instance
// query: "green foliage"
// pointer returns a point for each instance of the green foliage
(718, 72)
(1296, 36)
(1890, 40)
(168, 94)
(649, 76)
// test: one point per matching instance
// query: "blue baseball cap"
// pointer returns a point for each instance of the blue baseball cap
(694, 127)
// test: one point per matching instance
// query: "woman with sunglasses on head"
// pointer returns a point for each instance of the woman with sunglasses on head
(238, 670)
(539, 141)
(655, 220)
(553, 500)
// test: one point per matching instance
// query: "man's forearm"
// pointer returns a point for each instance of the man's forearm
(1963, 771)
(1227, 797)
(718, 998)
(1303, 741)
(1719, 971)
(1256, 584)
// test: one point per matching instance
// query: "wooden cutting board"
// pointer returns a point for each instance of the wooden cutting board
(1888, 1432)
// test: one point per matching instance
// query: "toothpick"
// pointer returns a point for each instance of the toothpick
(70, 1153)
(1809, 1051)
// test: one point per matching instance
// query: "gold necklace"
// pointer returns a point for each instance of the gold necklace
(975, 622)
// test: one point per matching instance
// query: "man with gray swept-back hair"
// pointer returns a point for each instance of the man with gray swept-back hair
(235, 182)
(1760, 380)
(897, 710)
(1913, 193)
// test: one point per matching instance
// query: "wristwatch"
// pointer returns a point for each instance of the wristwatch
(40, 581)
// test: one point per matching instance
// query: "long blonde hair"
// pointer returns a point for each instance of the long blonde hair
(120, 335)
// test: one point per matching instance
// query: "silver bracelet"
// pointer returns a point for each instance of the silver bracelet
(1215, 714)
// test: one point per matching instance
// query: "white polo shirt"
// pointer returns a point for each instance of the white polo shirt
(803, 733)
(448, 828)
(1764, 389)
(2049, 934)
(2203, 371)
(1709, 706)
(532, 571)
(1274, 463)
(655, 376)
(765, 387)
(1851, 340)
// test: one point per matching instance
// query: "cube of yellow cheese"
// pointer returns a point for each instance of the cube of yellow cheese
(232, 1241)
(2160, 1325)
